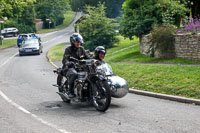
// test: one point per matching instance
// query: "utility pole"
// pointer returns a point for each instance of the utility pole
(49, 21)
(0, 35)
(1, 43)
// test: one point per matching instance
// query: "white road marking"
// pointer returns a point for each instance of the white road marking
(52, 39)
(45, 42)
(8, 60)
(47, 34)
(33, 115)
(23, 109)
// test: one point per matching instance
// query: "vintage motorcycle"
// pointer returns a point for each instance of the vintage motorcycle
(96, 83)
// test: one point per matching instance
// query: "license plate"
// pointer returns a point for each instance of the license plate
(28, 50)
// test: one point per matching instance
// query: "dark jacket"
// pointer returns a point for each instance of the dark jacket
(74, 52)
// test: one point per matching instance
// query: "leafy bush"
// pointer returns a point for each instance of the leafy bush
(172, 12)
(162, 40)
(10, 23)
(26, 28)
(60, 19)
(97, 29)
(23, 28)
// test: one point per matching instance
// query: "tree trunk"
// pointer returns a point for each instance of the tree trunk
(195, 8)
(141, 43)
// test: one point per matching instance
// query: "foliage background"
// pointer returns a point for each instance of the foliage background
(113, 10)
(140, 17)
(152, 12)
(22, 13)
(96, 28)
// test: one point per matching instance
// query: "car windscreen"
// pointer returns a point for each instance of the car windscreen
(21, 36)
(31, 42)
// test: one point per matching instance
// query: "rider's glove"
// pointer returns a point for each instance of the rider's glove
(70, 64)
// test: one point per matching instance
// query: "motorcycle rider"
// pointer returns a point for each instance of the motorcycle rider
(75, 51)
(100, 53)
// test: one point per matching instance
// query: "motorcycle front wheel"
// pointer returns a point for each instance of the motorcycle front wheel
(101, 96)
(61, 84)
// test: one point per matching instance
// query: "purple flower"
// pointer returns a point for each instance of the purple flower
(180, 31)
(193, 24)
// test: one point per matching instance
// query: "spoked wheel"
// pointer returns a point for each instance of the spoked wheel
(61, 85)
(101, 96)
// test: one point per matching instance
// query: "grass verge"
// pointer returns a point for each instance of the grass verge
(123, 43)
(56, 52)
(8, 43)
(69, 16)
(166, 79)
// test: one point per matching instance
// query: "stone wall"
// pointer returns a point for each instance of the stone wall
(185, 46)
(145, 45)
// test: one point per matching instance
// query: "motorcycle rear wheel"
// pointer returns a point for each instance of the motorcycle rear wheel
(101, 96)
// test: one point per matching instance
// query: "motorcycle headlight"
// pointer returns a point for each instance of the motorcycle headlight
(101, 72)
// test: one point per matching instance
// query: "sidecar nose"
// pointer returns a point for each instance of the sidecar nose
(119, 87)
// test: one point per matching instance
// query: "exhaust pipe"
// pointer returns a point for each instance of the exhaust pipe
(63, 96)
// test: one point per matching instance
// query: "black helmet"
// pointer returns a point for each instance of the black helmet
(76, 37)
(99, 49)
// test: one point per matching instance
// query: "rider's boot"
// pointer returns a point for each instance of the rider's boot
(71, 91)
(72, 76)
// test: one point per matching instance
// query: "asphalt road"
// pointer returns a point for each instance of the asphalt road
(29, 103)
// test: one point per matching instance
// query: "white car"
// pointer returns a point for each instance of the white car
(10, 32)
(30, 46)
(1, 37)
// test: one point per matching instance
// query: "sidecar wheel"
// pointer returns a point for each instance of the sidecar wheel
(101, 96)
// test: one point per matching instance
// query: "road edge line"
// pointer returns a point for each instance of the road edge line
(50, 61)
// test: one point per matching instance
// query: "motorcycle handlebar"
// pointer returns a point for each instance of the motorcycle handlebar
(90, 61)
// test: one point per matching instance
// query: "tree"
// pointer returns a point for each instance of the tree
(53, 10)
(26, 20)
(140, 17)
(193, 5)
(172, 12)
(13, 8)
(113, 9)
(20, 14)
(96, 29)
